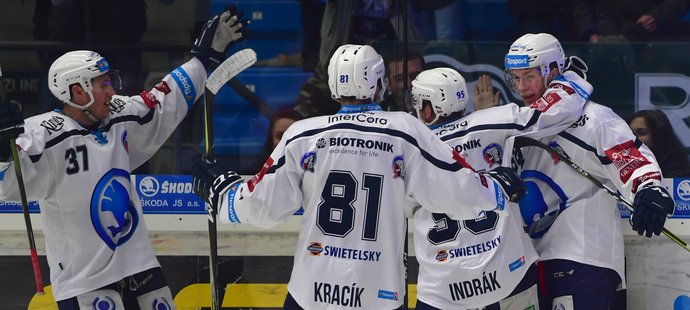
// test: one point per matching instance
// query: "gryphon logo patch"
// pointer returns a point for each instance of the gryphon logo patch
(308, 161)
(493, 154)
(113, 215)
(398, 167)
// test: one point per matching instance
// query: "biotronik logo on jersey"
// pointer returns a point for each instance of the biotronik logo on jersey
(113, 215)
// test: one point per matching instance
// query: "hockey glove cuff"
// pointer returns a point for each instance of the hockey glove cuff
(652, 204)
(509, 181)
(211, 180)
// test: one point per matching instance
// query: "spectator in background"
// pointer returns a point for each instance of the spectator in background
(395, 99)
(283, 119)
(354, 22)
(653, 128)
(100, 27)
(630, 20)
(550, 16)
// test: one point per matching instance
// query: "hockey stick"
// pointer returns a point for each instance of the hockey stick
(25, 204)
(235, 64)
(526, 141)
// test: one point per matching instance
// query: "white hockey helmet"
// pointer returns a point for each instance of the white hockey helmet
(77, 67)
(354, 71)
(444, 88)
(534, 51)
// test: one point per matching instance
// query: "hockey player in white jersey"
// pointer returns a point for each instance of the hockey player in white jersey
(489, 260)
(76, 162)
(575, 226)
(358, 174)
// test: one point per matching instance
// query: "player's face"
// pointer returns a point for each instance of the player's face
(279, 129)
(641, 130)
(396, 79)
(529, 84)
(103, 92)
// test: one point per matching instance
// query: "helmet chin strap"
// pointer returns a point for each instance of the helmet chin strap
(85, 108)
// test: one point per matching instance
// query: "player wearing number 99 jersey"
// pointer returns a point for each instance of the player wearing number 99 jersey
(358, 174)
(476, 262)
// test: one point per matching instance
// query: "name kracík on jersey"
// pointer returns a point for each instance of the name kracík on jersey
(487, 283)
(341, 295)
(316, 249)
(475, 248)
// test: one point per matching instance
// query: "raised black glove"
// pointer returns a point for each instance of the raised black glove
(652, 204)
(218, 34)
(211, 180)
(11, 126)
(509, 181)
(577, 65)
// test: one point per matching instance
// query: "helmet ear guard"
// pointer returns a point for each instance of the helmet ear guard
(76, 67)
(444, 88)
(355, 71)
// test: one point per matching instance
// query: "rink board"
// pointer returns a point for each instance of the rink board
(257, 262)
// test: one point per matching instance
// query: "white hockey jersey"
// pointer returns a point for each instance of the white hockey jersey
(93, 222)
(358, 175)
(476, 262)
(567, 216)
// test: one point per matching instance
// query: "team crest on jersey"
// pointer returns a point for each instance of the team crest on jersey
(308, 161)
(398, 167)
(124, 141)
(113, 215)
(442, 256)
(493, 154)
(55, 123)
(315, 249)
(557, 147)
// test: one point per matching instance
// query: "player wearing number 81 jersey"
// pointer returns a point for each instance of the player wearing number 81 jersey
(476, 262)
(358, 174)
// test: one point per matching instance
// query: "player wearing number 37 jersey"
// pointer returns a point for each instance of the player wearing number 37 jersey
(358, 174)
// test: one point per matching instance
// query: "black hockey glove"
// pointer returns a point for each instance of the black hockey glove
(652, 205)
(577, 65)
(211, 180)
(218, 34)
(11, 126)
(510, 181)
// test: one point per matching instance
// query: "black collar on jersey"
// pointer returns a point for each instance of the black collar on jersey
(357, 108)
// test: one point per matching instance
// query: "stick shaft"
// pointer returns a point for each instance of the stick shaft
(525, 141)
(25, 204)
